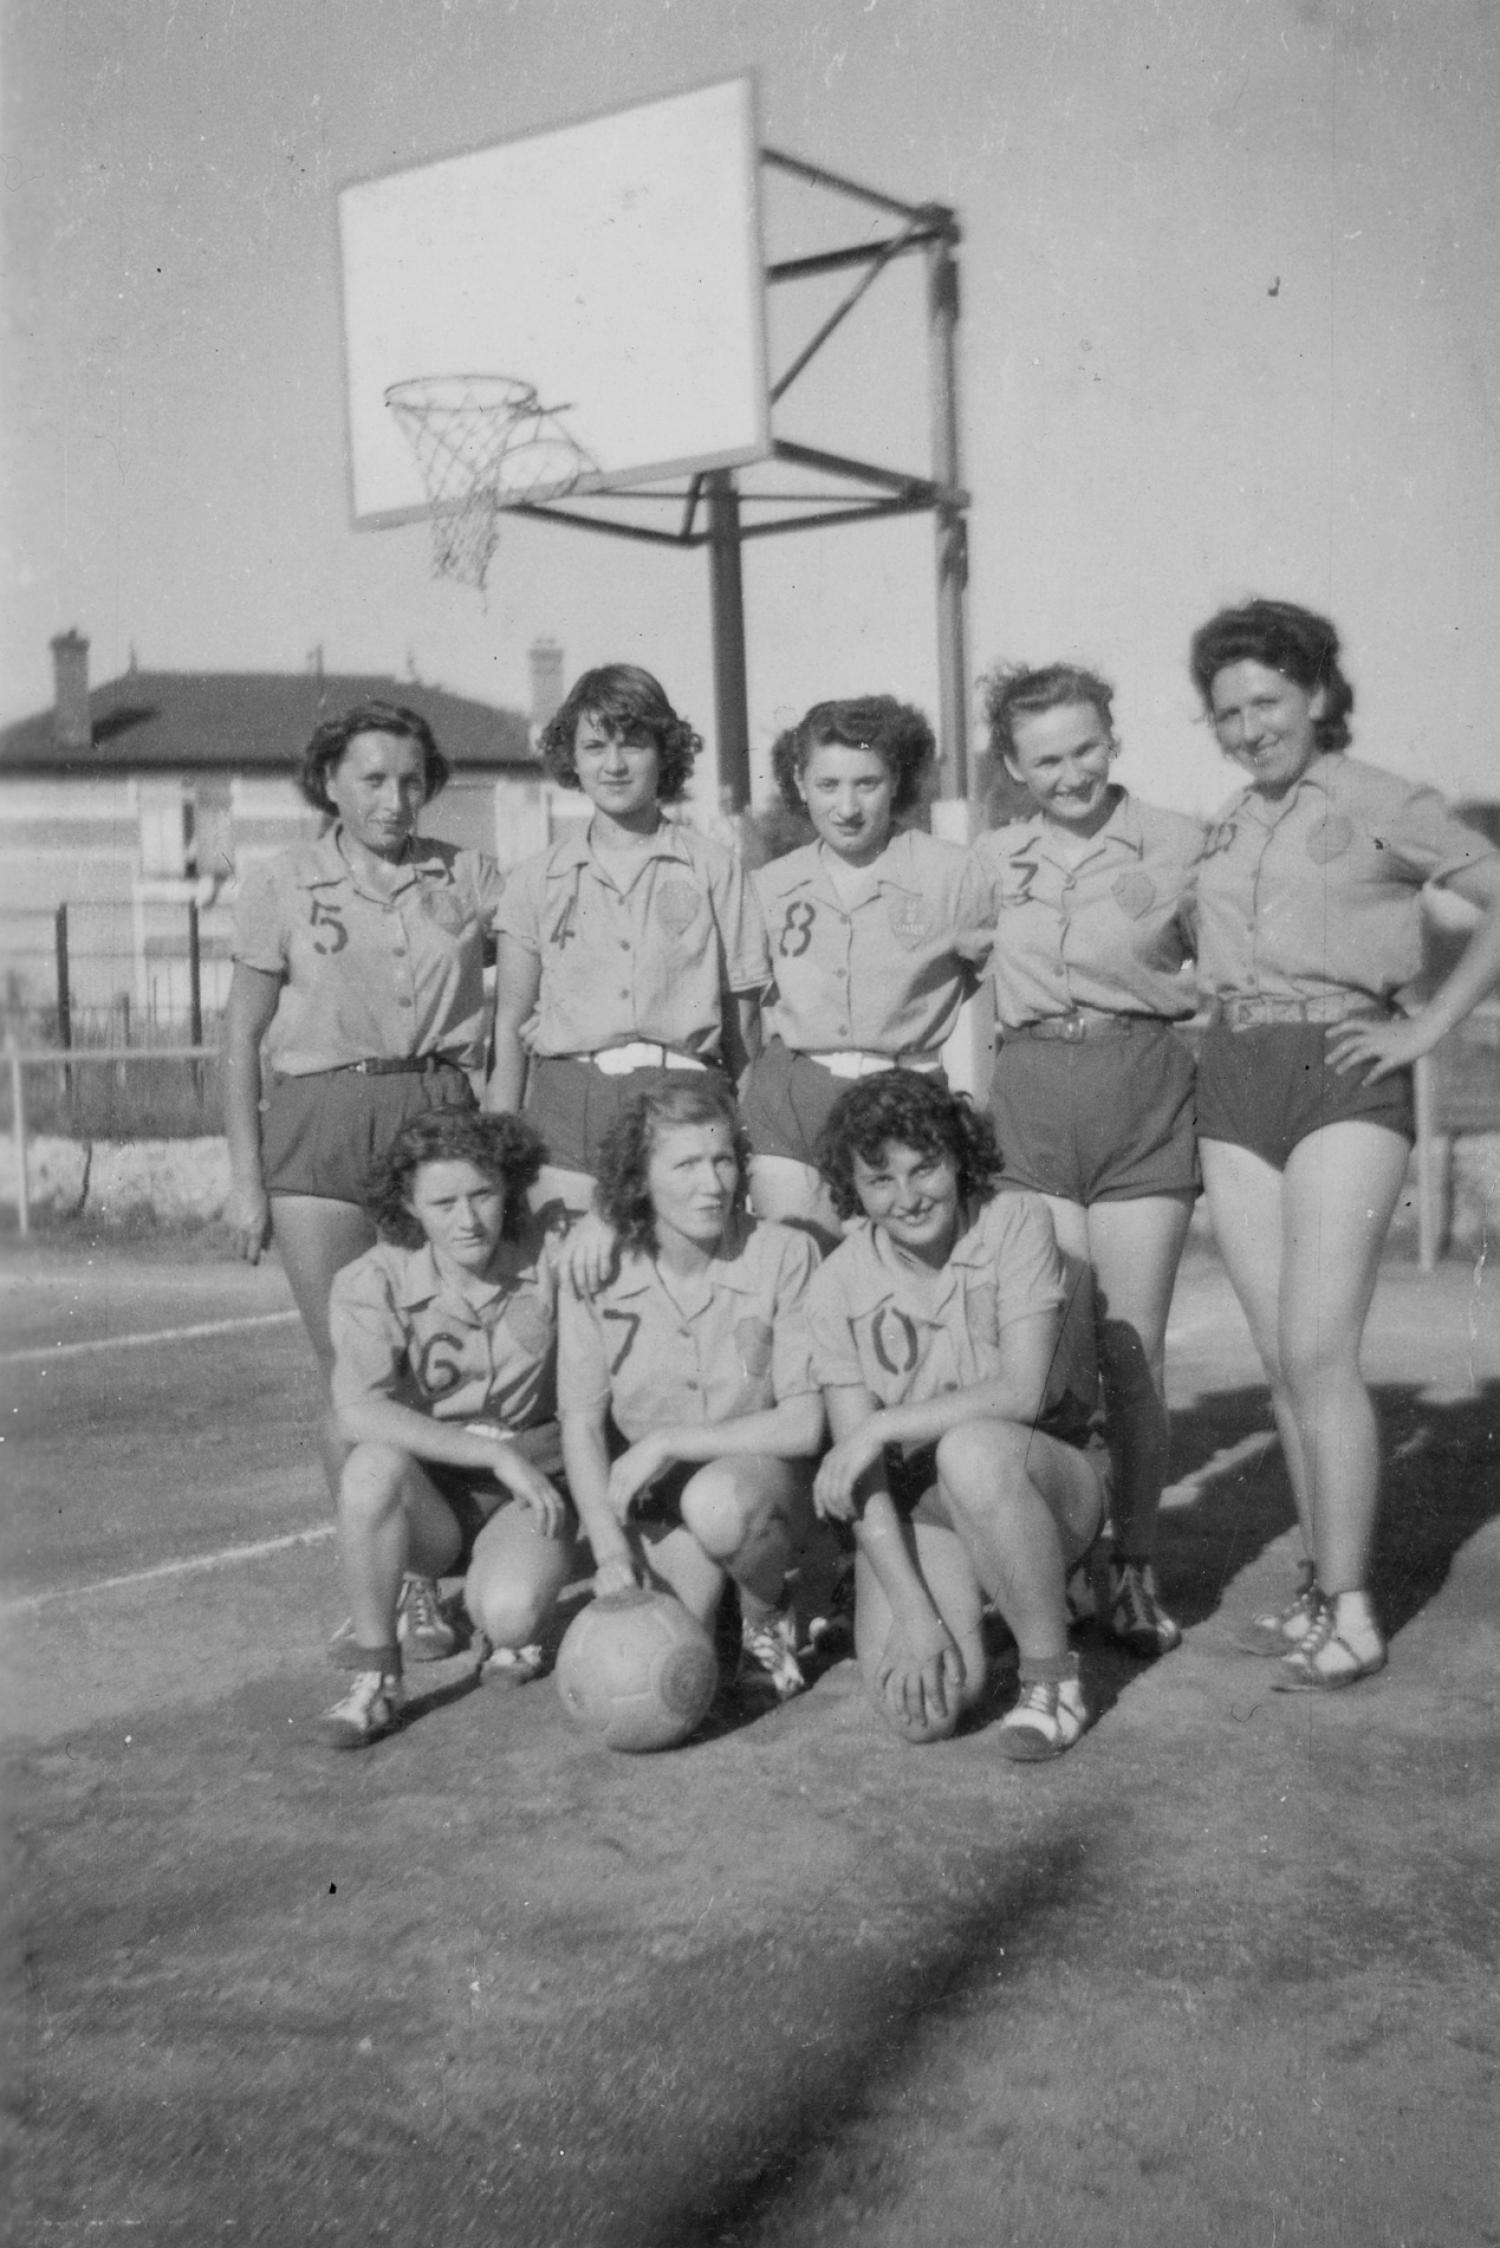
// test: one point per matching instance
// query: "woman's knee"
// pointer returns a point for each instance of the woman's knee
(372, 1481)
(727, 1509)
(981, 1464)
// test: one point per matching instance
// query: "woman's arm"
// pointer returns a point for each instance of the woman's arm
(1395, 1045)
(792, 1430)
(381, 1420)
(741, 1013)
(253, 997)
(586, 1459)
(518, 981)
(1017, 1393)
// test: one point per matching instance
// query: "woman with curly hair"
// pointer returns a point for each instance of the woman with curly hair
(359, 962)
(876, 931)
(693, 1356)
(630, 953)
(444, 1391)
(1309, 932)
(1092, 1091)
(966, 1454)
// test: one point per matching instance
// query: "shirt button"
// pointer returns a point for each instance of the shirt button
(404, 1002)
(398, 952)
(624, 944)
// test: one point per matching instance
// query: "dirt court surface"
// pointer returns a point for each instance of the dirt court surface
(1223, 1975)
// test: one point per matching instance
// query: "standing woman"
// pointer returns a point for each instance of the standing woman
(876, 930)
(359, 960)
(694, 1358)
(1309, 929)
(1093, 1089)
(629, 954)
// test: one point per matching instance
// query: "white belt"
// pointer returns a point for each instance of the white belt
(642, 1053)
(847, 1064)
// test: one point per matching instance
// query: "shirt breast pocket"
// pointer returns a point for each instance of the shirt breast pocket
(680, 912)
(448, 911)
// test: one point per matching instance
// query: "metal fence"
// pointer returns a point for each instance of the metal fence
(126, 972)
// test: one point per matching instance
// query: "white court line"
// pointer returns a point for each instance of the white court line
(199, 1562)
(140, 1342)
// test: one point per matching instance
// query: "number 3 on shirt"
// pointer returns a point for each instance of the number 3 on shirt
(796, 933)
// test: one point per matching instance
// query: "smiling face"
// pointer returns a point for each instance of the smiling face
(1063, 757)
(1266, 723)
(692, 1178)
(913, 1197)
(378, 787)
(461, 1211)
(848, 796)
(618, 772)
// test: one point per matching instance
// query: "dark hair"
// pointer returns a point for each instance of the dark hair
(330, 745)
(905, 1108)
(502, 1147)
(624, 700)
(1298, 643)
(897, 732)
(1013, 691)
(621, 1192)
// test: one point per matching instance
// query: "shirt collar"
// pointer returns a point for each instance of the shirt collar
(323, 862)
(1124, 829)
(422, 1283)
(731, 1270)
(575, 851)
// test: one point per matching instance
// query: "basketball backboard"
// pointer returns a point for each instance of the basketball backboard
(613, 268)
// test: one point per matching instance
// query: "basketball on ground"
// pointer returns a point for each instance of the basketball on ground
(636, 1671)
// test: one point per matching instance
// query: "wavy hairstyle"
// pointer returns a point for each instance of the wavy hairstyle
(622, 1192)
(1297, 642)
(502, 1147)
(897, 732)
(1014, 690)
(623, 699)
(330, 745)
(905, 1108)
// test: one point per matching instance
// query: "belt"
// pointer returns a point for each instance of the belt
(1248, 1010)
(641, 1053)
(391, 1065)
(852, 1064)
(1085, 1022)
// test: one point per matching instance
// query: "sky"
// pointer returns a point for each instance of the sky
(1231, 321)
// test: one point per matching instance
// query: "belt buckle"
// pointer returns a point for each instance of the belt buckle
(1073, 1027)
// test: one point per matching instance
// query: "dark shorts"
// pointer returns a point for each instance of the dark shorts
(788, 1098)
(911, 1477)
(1269, 1087)
(573, 1104)
(1097, 1119)
(320, 1135)
(472, 1495)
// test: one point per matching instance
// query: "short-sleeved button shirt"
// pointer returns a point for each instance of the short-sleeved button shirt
(1107, 930)
(651, 960)
(631, 1349)
(458, 1351)
(884, 1322)
(887, 973)
(369, 977)
(1317, 892)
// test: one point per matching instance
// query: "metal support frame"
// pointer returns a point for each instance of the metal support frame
(712, 504)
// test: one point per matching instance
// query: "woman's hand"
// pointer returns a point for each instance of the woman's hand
(247, 1214)
(635, 1470)
(589, 1254)
(837, 1479)
(920, 1674)
(615, 1575)
(1377, 1046)
(515, 1473)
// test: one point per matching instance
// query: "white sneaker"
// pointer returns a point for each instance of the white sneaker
(372, 1708)
(1047, 1719)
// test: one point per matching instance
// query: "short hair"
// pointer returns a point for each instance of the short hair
(1297, 642)
(330, 745)
(1013, 691)
(905, 1108)
(626, 700)
(502, 1147)
(897, 732)
(622, 1192)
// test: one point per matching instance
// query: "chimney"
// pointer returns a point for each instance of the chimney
(72, 727)
(546, 681)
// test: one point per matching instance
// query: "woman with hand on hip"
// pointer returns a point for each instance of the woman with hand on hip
(1308, 931)
(359, 960)
(877, 931)
(1092, 1092)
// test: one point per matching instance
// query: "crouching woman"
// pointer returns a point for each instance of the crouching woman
(445, 1344)
(965, 1454)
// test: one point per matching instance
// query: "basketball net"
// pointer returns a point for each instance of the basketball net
(482, 442)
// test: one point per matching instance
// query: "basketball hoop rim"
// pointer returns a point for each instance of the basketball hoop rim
(455, 394)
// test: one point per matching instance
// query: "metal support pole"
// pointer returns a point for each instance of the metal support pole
(18, 1134)
(195, 977)
(731, 696)
(951, 528)
(64, 989)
